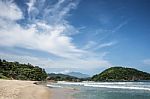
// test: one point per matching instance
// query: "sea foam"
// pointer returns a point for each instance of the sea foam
(112, 85)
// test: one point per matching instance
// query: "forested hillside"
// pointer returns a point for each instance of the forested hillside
(62, 77)
(15, 70)
(121, 74)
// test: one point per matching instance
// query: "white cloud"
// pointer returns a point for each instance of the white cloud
(40, 35)
(105, 45)
(89, 45)
(80, 63)
(63, 72)
(146, 61)
(65, 63)
(92, 45)
(50, 34)
(52, 42)
(8, 10)
(25, 59)
(31, 5)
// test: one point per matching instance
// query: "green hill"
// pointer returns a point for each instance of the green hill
(121, 74)
(15, 70)
(62, 77)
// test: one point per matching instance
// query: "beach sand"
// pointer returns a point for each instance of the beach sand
(15, 89)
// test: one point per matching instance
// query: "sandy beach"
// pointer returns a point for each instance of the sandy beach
(14, 89)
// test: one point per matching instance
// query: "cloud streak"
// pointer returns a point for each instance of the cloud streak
(49, 63)
(92, 45)
(39, 35)
(146, 61)
(47, 30)
(119, 26)
(104, 45)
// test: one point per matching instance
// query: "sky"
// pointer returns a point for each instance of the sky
(85, 36)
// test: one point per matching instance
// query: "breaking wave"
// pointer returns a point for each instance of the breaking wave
(112, 85)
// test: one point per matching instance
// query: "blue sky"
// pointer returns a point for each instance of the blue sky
(87, 36)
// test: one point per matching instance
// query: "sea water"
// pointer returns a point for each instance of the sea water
(109, 90)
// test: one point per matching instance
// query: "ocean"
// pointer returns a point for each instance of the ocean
(108, 90)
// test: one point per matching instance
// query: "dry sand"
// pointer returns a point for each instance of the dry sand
(14, 89)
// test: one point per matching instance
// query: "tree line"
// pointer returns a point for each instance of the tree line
(18, 71)
(121, 74)
(15, 70)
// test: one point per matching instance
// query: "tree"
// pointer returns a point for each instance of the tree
(15, 70)
(121, 74)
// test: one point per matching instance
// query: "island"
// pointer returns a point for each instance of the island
(121, 74)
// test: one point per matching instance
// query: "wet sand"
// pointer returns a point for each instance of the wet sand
(62, 93)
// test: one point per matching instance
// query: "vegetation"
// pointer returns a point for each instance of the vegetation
(15, 70)
(121, 74)
(62, 77)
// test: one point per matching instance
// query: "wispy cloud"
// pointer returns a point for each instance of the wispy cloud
(25, 59)
(92, 45)
(146, 61)
(119, 26)
(103, 45)
(89, 45)
(39, 35)
(103, 35)
(64, 63)
(49, 33)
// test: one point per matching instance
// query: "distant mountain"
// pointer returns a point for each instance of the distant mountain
(62, 77)
(121, 74)
(78, 74)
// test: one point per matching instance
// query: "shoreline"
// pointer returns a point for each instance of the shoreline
(59, 92)
(16, 89)
(62, 93)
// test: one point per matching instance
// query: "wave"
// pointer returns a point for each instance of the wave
(118, 87)
(70, 83)
(53, 86)
(112, 85)
(100, 83)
